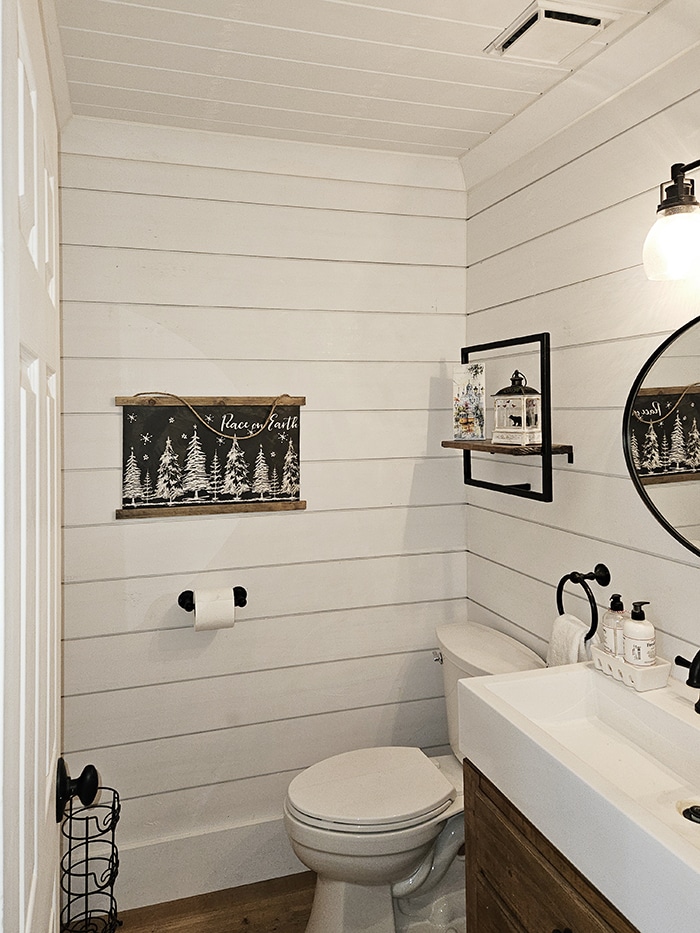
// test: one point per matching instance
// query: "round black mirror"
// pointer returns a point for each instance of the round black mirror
(661, 434)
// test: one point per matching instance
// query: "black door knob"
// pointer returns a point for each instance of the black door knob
(85, 787)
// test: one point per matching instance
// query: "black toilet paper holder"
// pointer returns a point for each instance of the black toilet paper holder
(186, 599)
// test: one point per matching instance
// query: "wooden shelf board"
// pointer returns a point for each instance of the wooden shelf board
(513, 450)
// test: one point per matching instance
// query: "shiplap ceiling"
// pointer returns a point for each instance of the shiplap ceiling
(402, 75)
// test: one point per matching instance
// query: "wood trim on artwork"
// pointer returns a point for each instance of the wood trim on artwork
(211, 509)
(162, 399)
(662, 390)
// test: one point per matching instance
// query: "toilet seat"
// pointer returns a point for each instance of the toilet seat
(370, 790)
(365, 827)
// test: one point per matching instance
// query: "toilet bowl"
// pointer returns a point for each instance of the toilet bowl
(382, 824)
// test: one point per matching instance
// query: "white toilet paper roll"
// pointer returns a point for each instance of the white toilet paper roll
(214, 608)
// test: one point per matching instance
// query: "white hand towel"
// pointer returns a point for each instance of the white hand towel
(567, 643)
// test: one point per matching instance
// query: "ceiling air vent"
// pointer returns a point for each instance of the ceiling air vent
(548, 32)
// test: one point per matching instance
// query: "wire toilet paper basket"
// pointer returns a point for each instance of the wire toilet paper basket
(90, 864)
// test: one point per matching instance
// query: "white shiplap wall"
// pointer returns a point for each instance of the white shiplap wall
(558, 249)
(201, 265)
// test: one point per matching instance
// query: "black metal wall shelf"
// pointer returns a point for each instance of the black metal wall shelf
(544, 451)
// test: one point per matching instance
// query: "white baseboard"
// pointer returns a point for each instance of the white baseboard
(170, 869)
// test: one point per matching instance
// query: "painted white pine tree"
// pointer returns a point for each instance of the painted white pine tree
(215, 478)
(235, 472)
(261, 476)
(634, 450)
(274, 484)
(290, 472)
(693, 448)
(664, 452)
(677, 456)
(169, 482)
(132, 488)
(195, 479)
(651, 459)
(147, 487)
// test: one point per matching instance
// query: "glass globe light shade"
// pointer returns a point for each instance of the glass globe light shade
(672, 247)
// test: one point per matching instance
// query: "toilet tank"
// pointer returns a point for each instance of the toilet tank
(472, 650)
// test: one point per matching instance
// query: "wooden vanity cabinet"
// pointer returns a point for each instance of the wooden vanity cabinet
(517, 882)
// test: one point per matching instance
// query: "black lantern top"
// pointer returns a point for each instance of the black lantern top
(518, 386)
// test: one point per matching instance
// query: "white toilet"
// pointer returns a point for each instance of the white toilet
(377, 824)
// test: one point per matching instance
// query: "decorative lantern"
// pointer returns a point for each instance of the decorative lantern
(518, 413)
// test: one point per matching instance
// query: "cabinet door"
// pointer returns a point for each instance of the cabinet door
(491, 914)
(516, 881)
(528, 884)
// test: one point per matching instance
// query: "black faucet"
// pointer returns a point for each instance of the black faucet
(693, 674)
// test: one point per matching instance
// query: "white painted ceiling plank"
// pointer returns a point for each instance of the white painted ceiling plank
(217, 93)
(313, 17)
(482, 11)
(476, 12)
(240, 131)
(229, 67)
(259, 59)
(229, 115)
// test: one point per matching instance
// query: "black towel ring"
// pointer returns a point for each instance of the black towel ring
(601, 575)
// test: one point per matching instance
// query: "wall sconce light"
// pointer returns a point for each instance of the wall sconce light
(672, 247)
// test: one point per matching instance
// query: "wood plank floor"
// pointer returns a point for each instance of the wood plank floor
(281, 905)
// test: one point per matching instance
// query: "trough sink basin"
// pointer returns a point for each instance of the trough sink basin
(604, 772)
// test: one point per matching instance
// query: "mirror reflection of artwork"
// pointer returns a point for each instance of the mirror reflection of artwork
(195, 456)
(469, 402)
(664, 435)
(660, 434)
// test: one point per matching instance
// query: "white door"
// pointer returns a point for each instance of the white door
(29, 501)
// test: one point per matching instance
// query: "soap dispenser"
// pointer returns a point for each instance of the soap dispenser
(613, 626)
(639, 637)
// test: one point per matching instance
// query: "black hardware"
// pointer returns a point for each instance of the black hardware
(566, 930)
(544, 451)
(601, 575)
(85, 786)
(186, 599)
(693, 675)
(682, 191)
(692, 814)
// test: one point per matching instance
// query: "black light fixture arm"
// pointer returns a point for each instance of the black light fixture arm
(688, 167)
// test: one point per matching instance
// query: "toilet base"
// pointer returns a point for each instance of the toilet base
(443, 910)
(340, 907)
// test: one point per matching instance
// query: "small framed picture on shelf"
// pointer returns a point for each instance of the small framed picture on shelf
(469, 402)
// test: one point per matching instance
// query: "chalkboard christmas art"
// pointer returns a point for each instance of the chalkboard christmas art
(207, 455)
(665, 434)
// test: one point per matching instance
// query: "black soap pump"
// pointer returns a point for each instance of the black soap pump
(613, 626)
(639, 637)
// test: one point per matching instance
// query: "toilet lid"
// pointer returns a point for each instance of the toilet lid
(370, 790)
